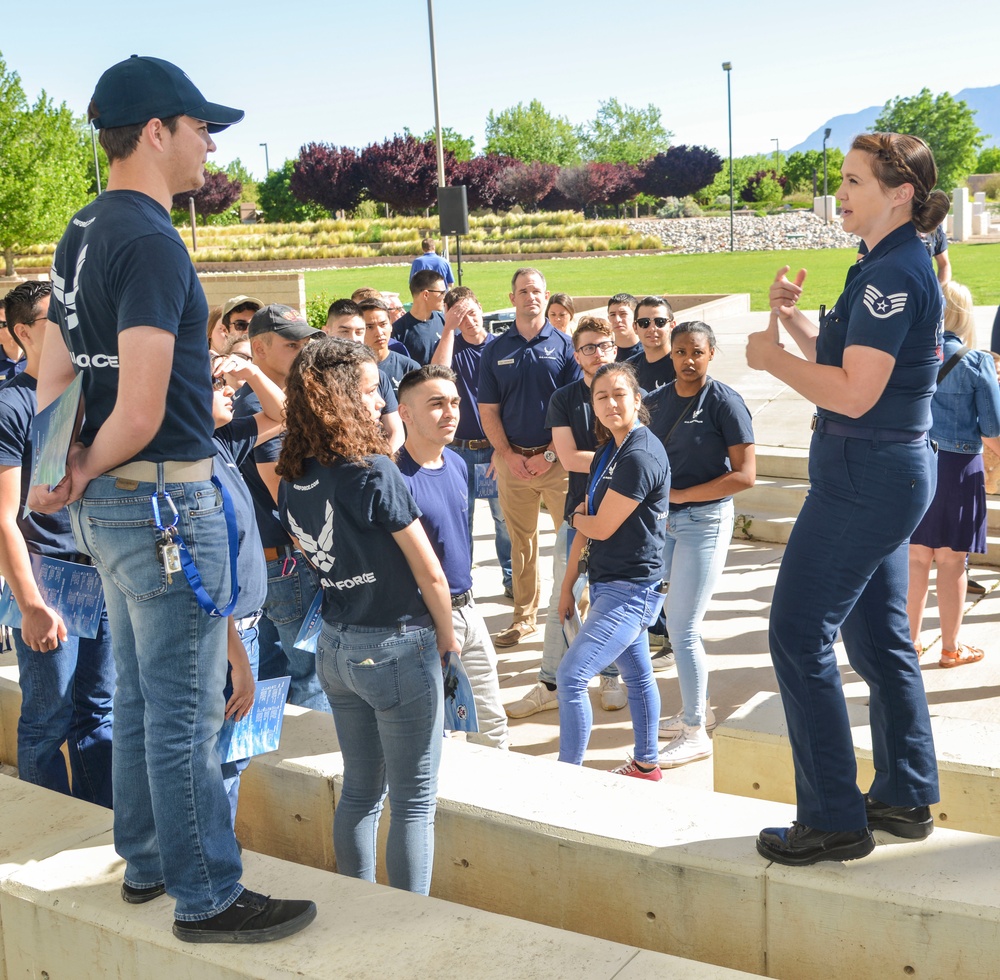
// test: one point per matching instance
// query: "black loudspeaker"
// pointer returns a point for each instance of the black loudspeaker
(453, 210)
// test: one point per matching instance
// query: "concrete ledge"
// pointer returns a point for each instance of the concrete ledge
(62, 917)
(753, 758)
(10, 711)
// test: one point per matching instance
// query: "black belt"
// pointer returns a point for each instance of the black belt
(470, 444)
(866, 432)
(457, 601)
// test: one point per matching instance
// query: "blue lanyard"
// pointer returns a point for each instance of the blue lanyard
(191, 572)
(602, 465)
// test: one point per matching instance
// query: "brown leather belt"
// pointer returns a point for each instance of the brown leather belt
(273, 554)
(470, 444)
(529, 451)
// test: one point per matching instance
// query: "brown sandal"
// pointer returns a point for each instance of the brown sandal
(963, 655)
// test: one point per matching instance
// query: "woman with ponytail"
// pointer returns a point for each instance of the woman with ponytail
(870, 367)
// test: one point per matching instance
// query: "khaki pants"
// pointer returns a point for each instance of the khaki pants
(519, 501)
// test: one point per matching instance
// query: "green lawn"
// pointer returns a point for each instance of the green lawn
(978, 266)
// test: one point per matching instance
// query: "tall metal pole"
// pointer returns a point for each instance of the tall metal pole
(727, 67)
(777, 156)
(437, 112)
(267, 163)
(826, 199)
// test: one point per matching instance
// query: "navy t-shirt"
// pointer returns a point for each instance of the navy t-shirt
(640, 471)
(442, 495)
(420, 336)
(892, 302)
(570, 407)
(344, 517)
(653, 375)
(45, 534)
(624, 353)
(121, 264)
(520, 376)
(235, 443)
(698, 448)
(386, 393)
(465, 360)
(395, 366)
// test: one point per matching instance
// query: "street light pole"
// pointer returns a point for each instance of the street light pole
(727, 67)
(826, 199)
(777, 156)
(267, 163)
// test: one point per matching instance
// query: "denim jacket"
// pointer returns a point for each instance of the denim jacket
(967, 402)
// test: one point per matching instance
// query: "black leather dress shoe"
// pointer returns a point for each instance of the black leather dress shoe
(911, 822)
(800, 844)
(139, 896)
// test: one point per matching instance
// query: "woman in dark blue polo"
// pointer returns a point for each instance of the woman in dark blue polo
(870, 368)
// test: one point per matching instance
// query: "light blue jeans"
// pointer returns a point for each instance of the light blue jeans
(286, 605)
(501, 537)
(231, 771)
(171, 819)
(66, 696)
(615, 630)
(386, 690)
(693, 559)
(554, 645)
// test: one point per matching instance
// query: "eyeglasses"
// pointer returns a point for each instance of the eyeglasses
(661, 321)
(604, 346)
(239, 325)
(219, 383)
(439, 291)
(399, 309)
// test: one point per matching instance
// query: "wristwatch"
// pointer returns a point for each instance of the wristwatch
(549, 456)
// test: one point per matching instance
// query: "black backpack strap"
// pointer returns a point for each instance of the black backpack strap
(952, 361)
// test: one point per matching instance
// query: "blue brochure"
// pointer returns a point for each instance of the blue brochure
(72, 590)
(459, 707)
(311, 625)
(52, 431)
(486, 486)
(259, 730)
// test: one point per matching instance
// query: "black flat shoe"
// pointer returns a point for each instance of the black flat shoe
(252, 918)
(799, 844)
(911, 822)
(139, 896)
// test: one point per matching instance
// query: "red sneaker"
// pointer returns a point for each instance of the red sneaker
(631, 769)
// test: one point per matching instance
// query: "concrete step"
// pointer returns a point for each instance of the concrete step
(62, 916)
(782, 461)
(753, 758)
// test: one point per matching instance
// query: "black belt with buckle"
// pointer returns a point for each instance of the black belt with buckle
(866, 432)
(470, 444)
(457, 601)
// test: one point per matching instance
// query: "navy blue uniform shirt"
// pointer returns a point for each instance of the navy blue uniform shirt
(420, 336)
(653, 375)
(465, 361)
(570, 407)
(395, 366)
(520, 376)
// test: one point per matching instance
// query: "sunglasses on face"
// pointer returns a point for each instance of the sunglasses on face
(239, 325)
(646, 321)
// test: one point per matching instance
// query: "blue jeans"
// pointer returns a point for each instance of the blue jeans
(554, 645)
(501, 537)
(171, 812)
(615, 631)
(286, 605)
(387, 694)
(66, 696)
(693, 559)
(846, 568)
(231, 770)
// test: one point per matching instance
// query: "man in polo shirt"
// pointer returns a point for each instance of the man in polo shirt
(377, 334)
(431, 260)
(517, 376)
(420, 329)
(461, 348)
(131, 316)
(621, 316)
(277, 333)
(654, 319)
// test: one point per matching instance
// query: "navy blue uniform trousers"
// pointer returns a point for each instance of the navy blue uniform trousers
(846, 568)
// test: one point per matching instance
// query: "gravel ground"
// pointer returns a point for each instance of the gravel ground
(798, 229)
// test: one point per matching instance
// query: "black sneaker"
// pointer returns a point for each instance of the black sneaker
(975, 588)
(139, 896)
(911, 822)
(663, 660)
(799, 844)
(252, 918)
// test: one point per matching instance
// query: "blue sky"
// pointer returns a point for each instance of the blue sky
(353, 73)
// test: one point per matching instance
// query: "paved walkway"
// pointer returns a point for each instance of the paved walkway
(736, 626)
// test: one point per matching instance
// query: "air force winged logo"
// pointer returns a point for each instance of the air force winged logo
(881, 306)
(319, 549)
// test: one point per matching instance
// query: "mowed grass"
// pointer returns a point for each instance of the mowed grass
(978, 266)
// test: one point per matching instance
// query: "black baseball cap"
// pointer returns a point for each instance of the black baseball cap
(285, 321)
(142, 88)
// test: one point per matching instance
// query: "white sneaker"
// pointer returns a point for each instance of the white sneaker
(691, 745)
(539, 698)
(613, 696)
(671, 727)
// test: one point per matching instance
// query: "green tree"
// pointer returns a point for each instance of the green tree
(944, 123)
(461, 146)
(799, 169)
(531, 134)
(623, 134)
(236, 171)
(276, 200)
(743, 169)
(44, 153)
(989, 161)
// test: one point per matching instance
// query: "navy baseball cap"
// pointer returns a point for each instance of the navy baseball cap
(285, 321)
(142, 88)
